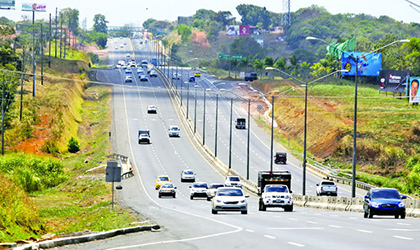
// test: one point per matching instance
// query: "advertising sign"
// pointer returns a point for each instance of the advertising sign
(244, 30)
(34, 7)
(413, 89)
(369, 64)
(393, 80)
(237, 30)
(7, 4)
(232, 30)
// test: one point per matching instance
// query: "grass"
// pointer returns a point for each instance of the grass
(386, 129)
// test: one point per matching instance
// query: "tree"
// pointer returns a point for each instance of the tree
(148, 23)
(259, 66)
(247, 47)
(71, 19)
(280, 63)
(185, 32)
(100, 23)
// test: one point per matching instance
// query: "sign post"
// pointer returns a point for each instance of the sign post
(113, 174)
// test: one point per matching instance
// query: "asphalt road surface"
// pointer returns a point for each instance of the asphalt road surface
(189, 224)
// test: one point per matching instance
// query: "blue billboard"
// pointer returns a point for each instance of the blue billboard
(369, 64)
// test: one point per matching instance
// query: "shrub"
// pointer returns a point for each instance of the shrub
(73, 145)
(50, 147)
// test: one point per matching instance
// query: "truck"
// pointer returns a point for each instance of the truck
(280, 157)
(274, 190)
(154, 61)
(250, 76)
(240, 123)
(326, 187)
(144, 136)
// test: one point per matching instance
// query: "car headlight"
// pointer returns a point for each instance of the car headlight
(218, 201)
(242, 201)
(401, 204)
(287, 197)
(374, 204)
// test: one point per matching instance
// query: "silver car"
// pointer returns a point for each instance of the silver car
(211, 192)
(173, 131)
(187, 175)
(198, 189)
(229, 199)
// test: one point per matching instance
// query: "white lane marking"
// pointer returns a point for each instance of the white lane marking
(295, 228)
(295, 244)
(353, 218)
(402, 238)
(364, 231)
(311, 222)
(404, 230)
(293, 219)
(334, 215)
(404, 224)
(335, 226)
(269, 236)
(250, 231)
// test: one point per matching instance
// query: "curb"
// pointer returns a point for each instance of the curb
(86, 238)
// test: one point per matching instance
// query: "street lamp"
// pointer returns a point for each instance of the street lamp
(356, 61)
(305, 118)
(195, 109)
(217, 116)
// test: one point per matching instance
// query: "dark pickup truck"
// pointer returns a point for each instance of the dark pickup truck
(280, 157)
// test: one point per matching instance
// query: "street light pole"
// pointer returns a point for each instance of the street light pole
(230, 136)
(188, 97)
(217, 117)
(304, 141)
(272, 125)
(204, 119)
(247, 143)
(195, 110)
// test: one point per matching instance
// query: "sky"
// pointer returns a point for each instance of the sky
(119, 13)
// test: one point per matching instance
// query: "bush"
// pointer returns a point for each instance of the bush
(73, 145)
(50, 147)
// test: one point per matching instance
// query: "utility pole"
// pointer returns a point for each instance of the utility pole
(21, 82)
(2, 119)
(61, 32)
(49, 45)
(56, 23)
(33, 52)
(42, 58)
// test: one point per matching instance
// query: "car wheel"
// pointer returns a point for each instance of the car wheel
(396, 216)
(288, 208)
(213, 211)
(160, 196)
(182, 180)
(370, 215)
(403, 216)
(208, 199)
(244, 212)
(174, 195)
(191, 197)
(365, 214)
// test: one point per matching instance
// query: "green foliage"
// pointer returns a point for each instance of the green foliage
(149, 23)
(99, 24)
(257, 16)
(32, 173)
(95, 37)
(70, 18)
(185, 31)
(73, 145)
(247, 47)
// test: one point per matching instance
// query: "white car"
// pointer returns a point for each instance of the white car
(211, 191)
(152, 109)
(143, 78)
(187, 175)
(198, 189)
(233, 181)
(140, 71)
(128, 79)
(176, 76)
(128, 55)
(326, 188)
(153, 73)
(229, 199)
(276, 195)
(173, 131)
(128, 71)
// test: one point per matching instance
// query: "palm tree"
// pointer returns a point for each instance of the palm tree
(259, 66)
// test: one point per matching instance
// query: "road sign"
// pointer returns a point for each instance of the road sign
(259, 107)
(221, 56)
(237, 57)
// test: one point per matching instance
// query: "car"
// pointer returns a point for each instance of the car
(233, 181)
(198, 189)
(176, 76)
(167, 189)
(151, 109)
(144, 63)
(128, 55)
(122, 46)
(143, 78)
(148, 70)
(160, 180)
(173, 131)
(240, 123)
(211, 191)
(140, 71)
(276, 195)
(250, 76)
(192, 79)
(128, 79)
(153, 73)
(128, 71)
(197, 74)
(384, 201)
(280, 157)
(229, 199)
(326, 188)
(124, 66)
(187, 175)
(144, 138)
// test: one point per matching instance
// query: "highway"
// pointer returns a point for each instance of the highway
(189, 224)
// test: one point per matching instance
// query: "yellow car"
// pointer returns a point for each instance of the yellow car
(161, 179)
(167, 189)
(197, 74)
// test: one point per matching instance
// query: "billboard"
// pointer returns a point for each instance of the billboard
(34, 7)
(369, 64)
(413, 89)
(7, 4)
(393, 80)
(237, 30)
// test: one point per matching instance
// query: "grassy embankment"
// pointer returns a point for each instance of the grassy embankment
(44, 187)
(388, 130)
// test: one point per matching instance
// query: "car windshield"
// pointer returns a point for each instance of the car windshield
(200, 185)
(216, 185)
(276, 189)
(234, 178)
(229, 192)
(386, 194)
(188, 172)
(167, 186)
(163, 178)
(174, 128)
